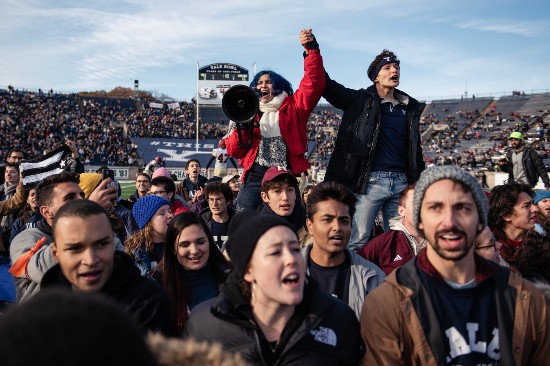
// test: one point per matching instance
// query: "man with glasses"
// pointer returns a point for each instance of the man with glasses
(166, 188)
(143, 183)
(486, 246)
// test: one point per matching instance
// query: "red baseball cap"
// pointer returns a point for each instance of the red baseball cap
(275, 171)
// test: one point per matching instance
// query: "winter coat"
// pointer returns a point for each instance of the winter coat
(14, 204)
(321, 332)
(141, 297)
(352, 158)
(533, 166)
(40, 262)
(293, 117)
(394, 333)
(364, 277)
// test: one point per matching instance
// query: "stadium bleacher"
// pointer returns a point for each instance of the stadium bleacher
(104, 127)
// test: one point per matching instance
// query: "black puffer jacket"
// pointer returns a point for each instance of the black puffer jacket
(142, 298)
(351, 161)
(533, 166)
(322, 331)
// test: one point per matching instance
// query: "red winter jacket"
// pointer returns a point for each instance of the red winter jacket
(293, 116)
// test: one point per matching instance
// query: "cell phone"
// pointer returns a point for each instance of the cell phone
(108, 173)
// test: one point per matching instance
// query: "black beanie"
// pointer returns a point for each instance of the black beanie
(245, 229)
(64, 328)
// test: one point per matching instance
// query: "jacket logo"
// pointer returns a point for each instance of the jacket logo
(324, 335)
(397, 258)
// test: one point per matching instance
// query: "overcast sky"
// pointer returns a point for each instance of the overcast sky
(446, 47)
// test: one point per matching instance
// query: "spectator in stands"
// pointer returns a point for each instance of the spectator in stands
(146, 246)
(542, 200)
(7, 190)
(165, 187)
(395, 247)
(278, 134)
(15, 156)
(511, 215)
(12, 205)
(192, 269)
(28, 217)
(221, 157)
(266, 310)
(523, 164)
(191, 188)
(219, 212)
(487, 246)
(279, 194)
(143, 182)
(376, 163)
(30, 250)
(84, 249)
(338, 271)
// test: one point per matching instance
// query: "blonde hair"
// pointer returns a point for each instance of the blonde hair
(173, 351)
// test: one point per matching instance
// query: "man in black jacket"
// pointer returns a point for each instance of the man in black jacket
(84, 248)
(377, 151)
(523, 163)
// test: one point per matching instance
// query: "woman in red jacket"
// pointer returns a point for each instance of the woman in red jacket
(278, 137)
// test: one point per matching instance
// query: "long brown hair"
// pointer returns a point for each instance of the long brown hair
(173, 278)
(141, 238)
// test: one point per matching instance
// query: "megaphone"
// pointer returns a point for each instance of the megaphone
(240, 103)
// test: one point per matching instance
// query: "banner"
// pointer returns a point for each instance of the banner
(174, 105)
(156, 105)
(175, 152)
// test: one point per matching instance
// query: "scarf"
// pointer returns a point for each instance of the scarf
(272, 148)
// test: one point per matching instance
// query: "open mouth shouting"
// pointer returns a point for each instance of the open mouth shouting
(91, 277)
(292, 279)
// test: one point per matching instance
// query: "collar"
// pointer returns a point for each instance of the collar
(484, 270)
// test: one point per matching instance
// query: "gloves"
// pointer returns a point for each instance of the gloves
(313, 45)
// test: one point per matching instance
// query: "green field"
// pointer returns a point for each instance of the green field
(128, 188)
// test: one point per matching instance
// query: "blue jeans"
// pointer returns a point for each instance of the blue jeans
(249, 196)
(382, 193)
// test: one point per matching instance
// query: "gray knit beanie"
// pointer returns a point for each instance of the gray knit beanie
(453, 172)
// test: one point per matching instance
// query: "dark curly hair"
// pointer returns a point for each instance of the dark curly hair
(372, 66)
(502, 200)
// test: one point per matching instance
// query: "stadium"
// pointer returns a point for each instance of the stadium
(124, 130)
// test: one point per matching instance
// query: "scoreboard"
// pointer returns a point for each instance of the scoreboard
(215, 79)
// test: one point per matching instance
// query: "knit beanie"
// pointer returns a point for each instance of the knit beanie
(453, 172)
(62, 327)
(89, 182)
(245, 229)
(145, 208)
(161, 172)
(540, 195)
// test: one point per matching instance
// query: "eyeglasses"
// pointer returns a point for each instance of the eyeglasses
(157, 193)
(492, 244)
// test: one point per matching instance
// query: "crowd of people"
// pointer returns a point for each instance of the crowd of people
(385, 262)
